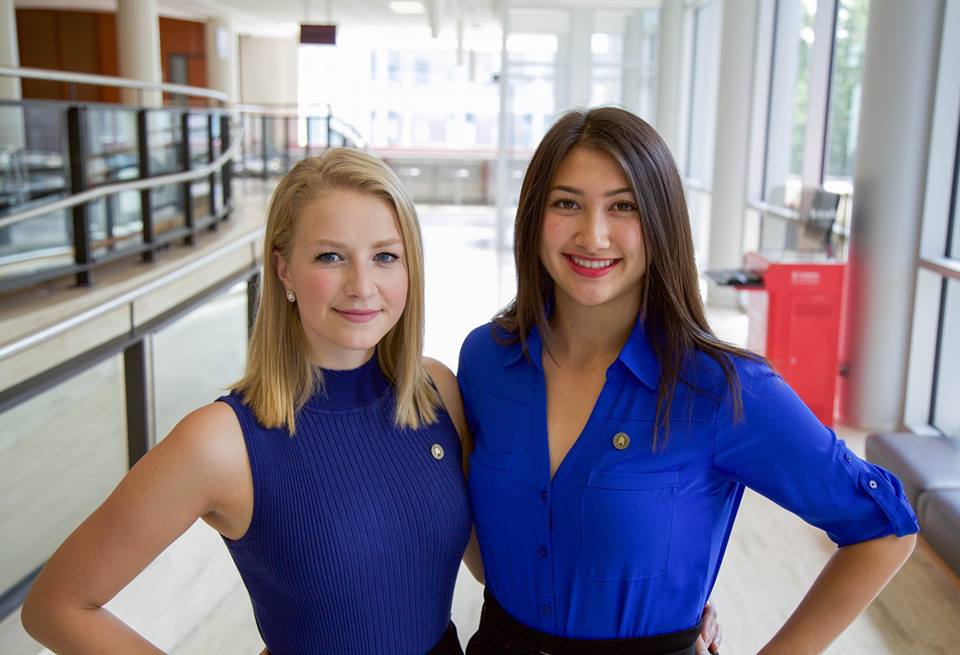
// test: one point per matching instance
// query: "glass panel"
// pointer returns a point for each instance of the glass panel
(789, 97)
(198, 356)
(218, 191)
(168, 210)
(844, 114)
(128, 216)
(216, 133)
(955, 220)
(200, 198)
(703, 93)
(947, 410)
(111, 145)
(61, 453)
(115, 222)
(624, 58)
(801, 96)
(164, 138)
(532, 92)
(199, 139)
(36, 245)
(33, 160)
(252, 144)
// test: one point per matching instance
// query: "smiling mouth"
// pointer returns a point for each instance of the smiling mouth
(358, 315)
(589, 267)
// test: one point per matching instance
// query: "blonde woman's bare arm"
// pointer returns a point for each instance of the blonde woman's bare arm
(199, 470)
(450, 394)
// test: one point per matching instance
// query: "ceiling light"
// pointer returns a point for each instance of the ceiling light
(407, 7)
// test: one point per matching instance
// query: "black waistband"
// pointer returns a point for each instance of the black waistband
(449, 643)
(501, 634)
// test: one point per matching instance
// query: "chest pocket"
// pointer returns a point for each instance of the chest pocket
(626, 524)
(489, 480)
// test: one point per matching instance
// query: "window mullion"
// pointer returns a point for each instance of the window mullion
(821, 67)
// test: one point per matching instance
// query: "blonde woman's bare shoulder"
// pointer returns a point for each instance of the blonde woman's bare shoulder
(211, 439)
(449, 393)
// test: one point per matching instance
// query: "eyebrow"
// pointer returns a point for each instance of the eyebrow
(579, 192)
(337, 244)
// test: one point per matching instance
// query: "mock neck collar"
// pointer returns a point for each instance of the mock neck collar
(350, 388)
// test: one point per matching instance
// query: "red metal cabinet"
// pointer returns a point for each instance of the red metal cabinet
(794, 320)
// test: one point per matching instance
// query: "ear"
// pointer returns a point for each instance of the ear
(282, 269)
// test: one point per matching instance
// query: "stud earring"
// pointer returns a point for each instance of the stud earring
(291, 296)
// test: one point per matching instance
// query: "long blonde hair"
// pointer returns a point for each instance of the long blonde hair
(279, 376)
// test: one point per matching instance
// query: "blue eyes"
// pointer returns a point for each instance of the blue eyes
(334, 258)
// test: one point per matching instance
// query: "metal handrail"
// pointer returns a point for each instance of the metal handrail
(948, 268)
(45, 334)
(774, 210)
(131, 185)
(109, 80)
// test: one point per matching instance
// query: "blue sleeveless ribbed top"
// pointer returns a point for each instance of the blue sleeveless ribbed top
(357, 529)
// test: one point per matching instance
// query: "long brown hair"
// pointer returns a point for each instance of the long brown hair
(670, 303)
(279, 376)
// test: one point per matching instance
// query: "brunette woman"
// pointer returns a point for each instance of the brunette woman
(615, 433)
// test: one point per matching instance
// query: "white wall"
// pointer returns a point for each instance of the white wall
(268, 70)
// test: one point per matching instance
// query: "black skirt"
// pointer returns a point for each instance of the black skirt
(449, 643)
(501, 634)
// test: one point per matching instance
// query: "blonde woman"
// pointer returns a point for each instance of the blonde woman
(333, 468)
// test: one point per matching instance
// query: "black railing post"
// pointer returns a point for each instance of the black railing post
(188, 218)
(136, 382)
(146, 206)
(253, 299)
(76, 137)
(263, 144)
(245, 128)
(212, 180)
(286, 144)
(329, 131)
(226, 175)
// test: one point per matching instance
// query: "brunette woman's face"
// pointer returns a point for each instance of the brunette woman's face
(346, 267)
(592, 243)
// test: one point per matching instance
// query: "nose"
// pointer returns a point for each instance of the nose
(360, 282)
(594, 233)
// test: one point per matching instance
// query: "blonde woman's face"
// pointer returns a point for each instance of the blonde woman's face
(347, 270)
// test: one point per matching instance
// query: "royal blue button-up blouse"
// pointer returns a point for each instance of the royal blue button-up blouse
(627, 542)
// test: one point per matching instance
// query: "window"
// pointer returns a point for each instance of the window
(933, 381)
(705, 57)
(842, 121)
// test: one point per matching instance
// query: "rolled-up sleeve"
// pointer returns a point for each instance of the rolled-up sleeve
(779, 449)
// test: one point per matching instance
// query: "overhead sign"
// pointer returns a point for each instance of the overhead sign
(318, 34)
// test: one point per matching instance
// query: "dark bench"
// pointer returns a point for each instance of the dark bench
(929, 468)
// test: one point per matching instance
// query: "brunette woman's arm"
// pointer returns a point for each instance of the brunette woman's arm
(851, 579)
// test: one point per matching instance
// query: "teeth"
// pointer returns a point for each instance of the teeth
(592, 263)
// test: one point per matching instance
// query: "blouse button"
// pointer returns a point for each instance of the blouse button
(437, 451)
(545, 610)
(872, 484)
(542, 550)
(544, 495)
(621, 440)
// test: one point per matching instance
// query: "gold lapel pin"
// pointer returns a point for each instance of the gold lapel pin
(621, 440)
(437, 451)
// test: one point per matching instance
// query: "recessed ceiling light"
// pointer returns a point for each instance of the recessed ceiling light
(407, 7)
